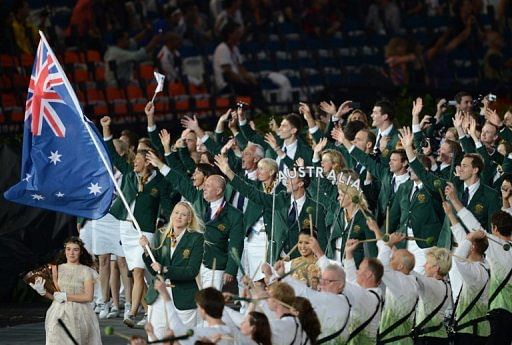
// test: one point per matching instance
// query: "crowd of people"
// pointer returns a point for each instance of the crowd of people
(342, 229)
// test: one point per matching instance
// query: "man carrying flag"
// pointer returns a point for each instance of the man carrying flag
(65, 166)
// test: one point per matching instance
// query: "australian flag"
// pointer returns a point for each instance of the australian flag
(65, 166)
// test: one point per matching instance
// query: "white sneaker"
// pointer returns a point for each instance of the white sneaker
(114, 312)
(98, 307)
(104, 311)
(127, 310)
(142, 322)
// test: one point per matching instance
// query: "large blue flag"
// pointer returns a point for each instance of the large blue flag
(65, 166)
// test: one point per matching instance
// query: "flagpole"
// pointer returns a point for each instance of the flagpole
(94, 140)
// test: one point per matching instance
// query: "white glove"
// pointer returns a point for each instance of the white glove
(60, 297)
(38, 285)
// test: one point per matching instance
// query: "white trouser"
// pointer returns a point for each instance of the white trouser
(211, 278)
(159, 318)
(419, 254)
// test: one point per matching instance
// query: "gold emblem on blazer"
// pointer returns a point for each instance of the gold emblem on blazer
(479, 208)
(422, 197)
(305, 223)
(356, 228)
(221, 227)
(186, 253)
(154, 192)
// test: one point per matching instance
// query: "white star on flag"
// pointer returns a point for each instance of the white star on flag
(59, 195)
(55, 157)
(27, 177)
(37, 197)
(94, 188)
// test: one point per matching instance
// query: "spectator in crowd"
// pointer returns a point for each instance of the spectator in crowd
(231, 12)
(25, 34)
(384, 17)
(121, 57)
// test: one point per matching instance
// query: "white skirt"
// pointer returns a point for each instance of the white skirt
(86, 235)
(131, 247)
(105, 236)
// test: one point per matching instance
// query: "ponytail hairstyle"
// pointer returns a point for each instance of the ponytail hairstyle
(262, 333)
(308, 318)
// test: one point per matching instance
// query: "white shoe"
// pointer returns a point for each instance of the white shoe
(114, 312)
(142, 322)
(98, 307)
(104, 311)
(127, 310)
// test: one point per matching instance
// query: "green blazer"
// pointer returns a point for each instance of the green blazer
(147, 203)
(419, 214)
(360, 231)
(284, 237)
(303, 151)
(483, 204)
(381, 172)
(393, 134)
(181, 269)
(222, 234)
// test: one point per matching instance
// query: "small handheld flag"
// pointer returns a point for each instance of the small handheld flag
(160, 78)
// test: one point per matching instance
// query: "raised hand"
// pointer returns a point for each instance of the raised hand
(344, 109)
(472, 129)
(395, 238)
(338, 135)
(105, 121)
(228, 146)
(225, 117)
(222, 162)
(458, 119)
(451, 192)
(190, 123)
(441, 105)
(406, 137)
(447, 207)
(319, 147)
(350, 247)
(279, 267)
(328, 108)
(154, 160)
(493, 117)
(374, 227)
(272, 141)
(417, 106)
(299, 162)
(150, 110)
(165, 138)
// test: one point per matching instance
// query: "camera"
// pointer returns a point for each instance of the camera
(452, 103)
(491, 97)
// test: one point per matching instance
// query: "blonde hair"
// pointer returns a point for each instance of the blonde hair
(270, 164)
(337, 159)
(442, 259)
(354, 113)
(195, 224)
(352, 191)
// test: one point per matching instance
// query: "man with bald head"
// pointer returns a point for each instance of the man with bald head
(401, 289)
(223, 231)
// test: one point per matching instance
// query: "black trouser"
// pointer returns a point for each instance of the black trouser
(431, 341)
(469, 339)
(501, 321)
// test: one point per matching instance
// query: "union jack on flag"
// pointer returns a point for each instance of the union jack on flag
(65, 165)
(41, 96)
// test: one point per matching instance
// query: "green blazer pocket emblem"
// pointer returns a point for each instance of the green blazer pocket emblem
(186, 253)
(422, 197)
(357, 228)
(154, 192)
(221, 227)
(479, 208)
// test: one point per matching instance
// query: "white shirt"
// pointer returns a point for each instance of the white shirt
(472, 189)
(215, 205)
(251, 175)
(180, 236)
(225, 56)
(290, 151)
(399, 179)
(299, 204)
(381, 134)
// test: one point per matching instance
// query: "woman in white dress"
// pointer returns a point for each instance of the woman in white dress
(72, 301)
